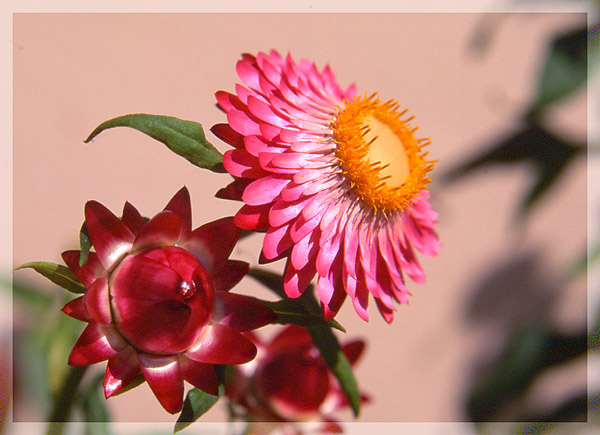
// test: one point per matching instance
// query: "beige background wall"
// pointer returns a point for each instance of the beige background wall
(73, 71)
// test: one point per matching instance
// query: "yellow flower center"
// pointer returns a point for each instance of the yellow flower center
(379, 154)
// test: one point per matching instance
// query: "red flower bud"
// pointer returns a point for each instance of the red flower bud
(157, 300)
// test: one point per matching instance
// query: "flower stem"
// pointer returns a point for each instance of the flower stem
(64, 400)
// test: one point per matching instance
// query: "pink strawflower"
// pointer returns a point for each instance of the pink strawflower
(337, 181)
(289, 381)
(157, 300)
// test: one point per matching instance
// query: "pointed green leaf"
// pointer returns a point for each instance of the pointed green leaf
(185, 138)
(85, 244)
(196, 404)
(292, 311)
(58, 274)
(331, 351)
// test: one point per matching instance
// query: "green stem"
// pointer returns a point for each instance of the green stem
(64, 400)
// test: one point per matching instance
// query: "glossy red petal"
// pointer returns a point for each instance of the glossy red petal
(121, 370)
(220, 344)
(228, 134)
(165, 378)
(200, 375)
(241, 312)
(89, 272)
(109, 235)
(97, 302)
(353, 350)
(132, 218)
(251, 217)
(163, 229)
(212, 243)
(180, 204)
(96, 343)
(233, 190)
(230, 275)
(76, 309)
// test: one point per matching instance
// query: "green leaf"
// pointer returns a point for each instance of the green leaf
(93, 404)
(331, 351)
(185, 138)
(196, 404)
(84, 243)
(58, 274)
(292, 311)
(565, 68)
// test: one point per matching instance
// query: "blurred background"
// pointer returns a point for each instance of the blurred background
(504, 330)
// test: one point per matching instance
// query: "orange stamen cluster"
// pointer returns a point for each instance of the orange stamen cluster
(379, 154)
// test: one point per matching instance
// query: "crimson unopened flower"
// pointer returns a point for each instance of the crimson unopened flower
(289, 381)
(336, 180)
(157, 300)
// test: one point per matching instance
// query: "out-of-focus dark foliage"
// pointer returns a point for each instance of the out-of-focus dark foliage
(535, 348)
(43, 337)
(530, 352)
(564, 71)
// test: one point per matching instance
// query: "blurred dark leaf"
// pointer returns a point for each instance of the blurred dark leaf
(62, 335)
(329, 347)
(185, 138)
(529, 352)
(547, 154)
(565, 68)
(58, 274)
(196, 404)
(29, 296)
(93, 406)
(573, 409)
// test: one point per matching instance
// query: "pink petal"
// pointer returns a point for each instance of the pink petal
(246, 70)
(264, 190)
(220, 344)
(97, 302)
(96, 343)
(240, 163)
(296, 281)
(241, 312)
(283, 211)
(180, 204)
(305, 250)
(163, 229)
(200, 375)
(303, 226)
(76, 309)
(165, 378)
(242, 123)
(111, 237)
(229, 275)
(387, 313)
(276, 242)
(358, 294)
(224, 100)
(333, 307)
(132, 218)
(121, 370)
(89, 272)
(212, 243)
(264, 112)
